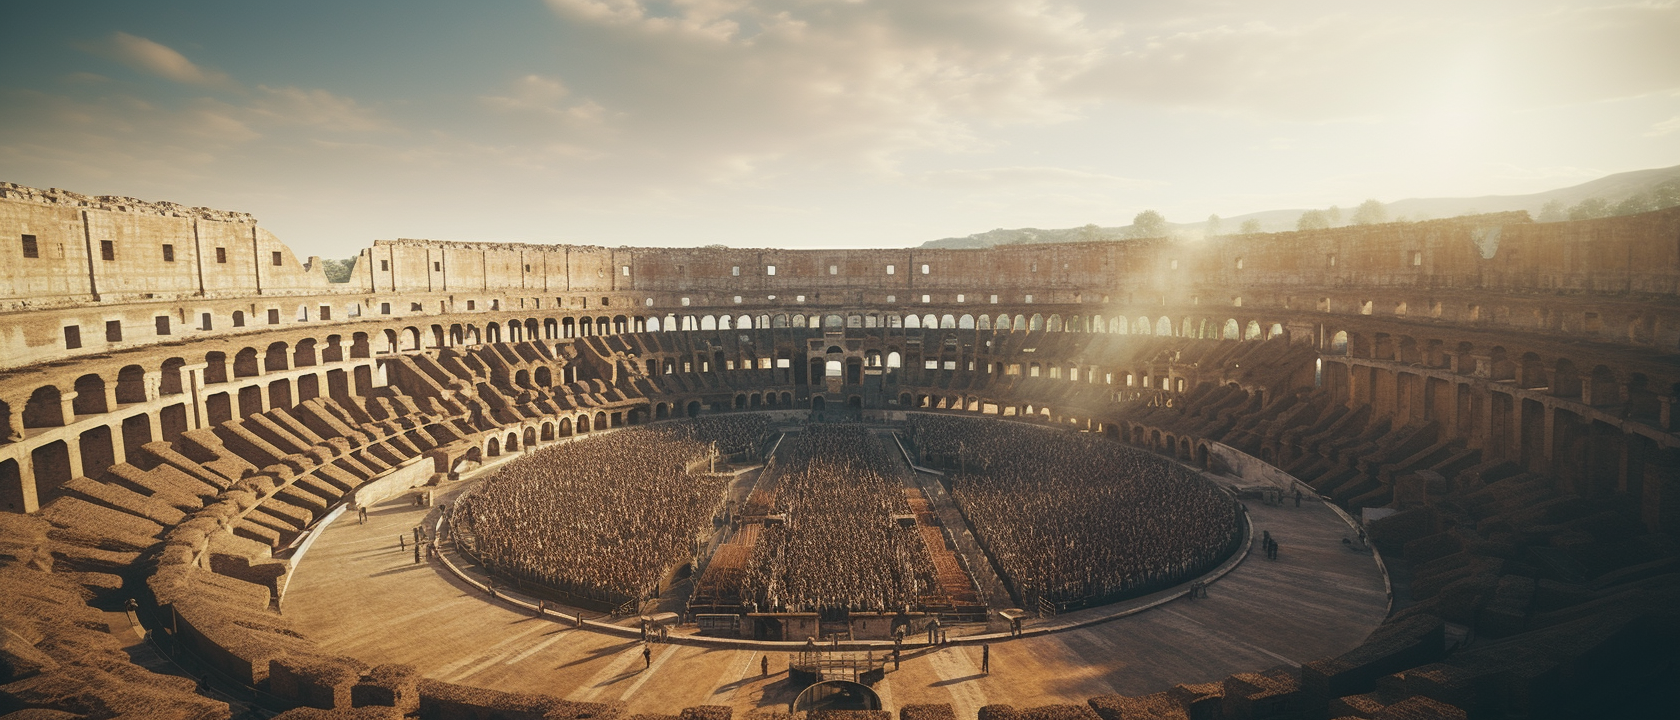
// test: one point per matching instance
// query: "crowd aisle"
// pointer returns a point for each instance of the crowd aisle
(840, 547)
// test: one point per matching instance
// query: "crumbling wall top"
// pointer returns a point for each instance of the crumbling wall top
(118, 203)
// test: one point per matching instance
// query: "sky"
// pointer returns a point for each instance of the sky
(820, 123)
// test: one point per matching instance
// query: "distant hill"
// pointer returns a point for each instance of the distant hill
(1613, 188)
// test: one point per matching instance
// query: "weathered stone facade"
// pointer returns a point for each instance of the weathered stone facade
(176, 385)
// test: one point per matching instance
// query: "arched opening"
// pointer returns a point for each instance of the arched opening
(245, 363)
(275, 359)
(90, 396)
(694, 408)
(817, 403)
(493, 448)
(45, 408)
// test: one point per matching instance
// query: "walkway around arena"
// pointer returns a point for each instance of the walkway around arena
(357, 594)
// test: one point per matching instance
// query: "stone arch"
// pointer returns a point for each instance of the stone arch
(1054, 324)
(1036, 323)
(693, 408)
(90, 396)
(1252, 330)
(1164, 326)
(530, 437)
(244, 364)
(1232, 330)
(131, 384)
(1339, 343)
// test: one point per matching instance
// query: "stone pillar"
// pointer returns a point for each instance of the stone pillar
(1482, 433)
(110, 397)
(14, 420)
(119, 452)
(1549, 441)
(74, 445)
(67, 408)
(195, 388)
(26, 479)
(1515, 451)
(153, 383)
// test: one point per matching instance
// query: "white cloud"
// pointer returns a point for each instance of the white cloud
(1665, 127)
(1015, 176)
(314, 108)
(157, 59)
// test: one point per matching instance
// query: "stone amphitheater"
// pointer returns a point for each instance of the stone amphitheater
(1479, 411)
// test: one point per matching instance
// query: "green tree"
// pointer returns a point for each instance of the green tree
(1090, 232)
(1149, 224)
(1333, 216)
(1635, 204)
(1370, 212)
(1312, 220)
(1666, 195)
(1212, 229)
(1590, 208)
(1552, 211)
(1250, 226)
(338, 271)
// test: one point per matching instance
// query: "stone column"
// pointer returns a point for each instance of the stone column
(26, 479)
(1516, 441)
(14, 420)
(1549, 443)
(153, 383)
(195, 389)
(67, 407)
(74, 445)
(119, 452)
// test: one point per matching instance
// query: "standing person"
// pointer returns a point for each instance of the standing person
(764, 665)
(1297, 497)
(647, 657)
(1274, 549)
(361, 515)
(402, 543)
(985, 659)
(416, 553)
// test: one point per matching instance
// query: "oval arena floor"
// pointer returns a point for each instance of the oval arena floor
(357, 593)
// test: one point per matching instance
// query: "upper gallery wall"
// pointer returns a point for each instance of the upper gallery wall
(161, 271)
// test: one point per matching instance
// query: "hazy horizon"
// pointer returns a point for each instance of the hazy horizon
(805, 123)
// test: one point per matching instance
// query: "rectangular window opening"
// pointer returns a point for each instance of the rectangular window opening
(31, 249)
(72, 337)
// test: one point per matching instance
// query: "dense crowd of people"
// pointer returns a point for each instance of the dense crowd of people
(1073, 517)
(839, 547)
(603, 516)
(733, 435)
